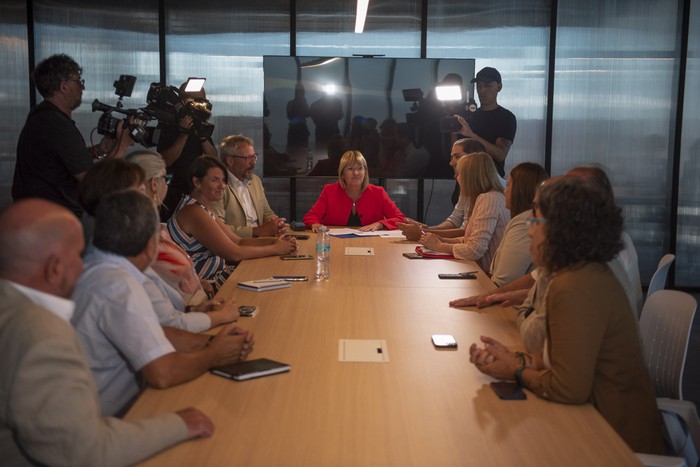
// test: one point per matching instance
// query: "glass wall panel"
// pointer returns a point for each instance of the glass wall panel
(614, 104)
(107, 40)
(327, 28)
(225, 45)
(14, 88)
(688, 240)
(513, 37)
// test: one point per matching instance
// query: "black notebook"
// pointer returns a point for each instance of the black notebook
(251, 369)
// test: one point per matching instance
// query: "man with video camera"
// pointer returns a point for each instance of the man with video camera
(181, 144)
(51, 153)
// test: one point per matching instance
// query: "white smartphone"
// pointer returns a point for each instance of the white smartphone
(444, 341)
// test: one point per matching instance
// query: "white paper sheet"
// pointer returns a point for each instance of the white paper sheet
(359, 251)
(363, 350)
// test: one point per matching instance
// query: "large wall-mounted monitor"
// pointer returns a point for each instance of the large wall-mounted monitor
(387, 108)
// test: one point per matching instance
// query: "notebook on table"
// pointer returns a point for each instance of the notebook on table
(263, 285)
(249, 369)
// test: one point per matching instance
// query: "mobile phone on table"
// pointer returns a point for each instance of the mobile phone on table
(295, 257)
(412, 255)
(508, 390)
(247, 311)
(444, 341)
(291, 278)
(461, 275)
(297, 225)
(300, 236)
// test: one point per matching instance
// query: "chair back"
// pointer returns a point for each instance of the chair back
(658, 280)
(665, 326)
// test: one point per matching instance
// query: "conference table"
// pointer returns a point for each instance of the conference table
(422, 407)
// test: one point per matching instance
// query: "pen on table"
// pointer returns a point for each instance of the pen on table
(267, 280)
(468, 273)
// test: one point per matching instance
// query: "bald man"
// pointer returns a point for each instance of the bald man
(51, 413)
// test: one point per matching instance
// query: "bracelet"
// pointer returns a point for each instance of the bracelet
(519, 371)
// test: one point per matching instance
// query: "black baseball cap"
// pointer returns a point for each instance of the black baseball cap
(488, 75)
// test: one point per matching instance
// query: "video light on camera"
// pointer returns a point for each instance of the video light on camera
(448, 93)
(194, 84)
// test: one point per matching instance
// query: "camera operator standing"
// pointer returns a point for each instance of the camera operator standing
(179, 146)
(491, 125)
(51, 153)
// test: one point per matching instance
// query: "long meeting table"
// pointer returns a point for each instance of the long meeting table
(424, 407)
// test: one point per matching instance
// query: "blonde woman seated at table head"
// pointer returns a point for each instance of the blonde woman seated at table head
(205, 237)
(353, 201)
(486, 209)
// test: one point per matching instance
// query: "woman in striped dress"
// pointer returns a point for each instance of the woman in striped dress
(213, 247)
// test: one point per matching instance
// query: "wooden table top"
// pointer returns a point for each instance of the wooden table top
(425, 407)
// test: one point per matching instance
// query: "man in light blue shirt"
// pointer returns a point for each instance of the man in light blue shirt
(115, 319)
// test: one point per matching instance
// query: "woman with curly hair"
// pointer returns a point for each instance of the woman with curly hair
(592, 350)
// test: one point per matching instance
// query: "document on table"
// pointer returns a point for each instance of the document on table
(359, 251)
(346, 232)
(363, 350)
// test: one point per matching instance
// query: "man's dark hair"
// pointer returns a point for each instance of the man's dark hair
(51, 72)
(593, 174)
(470, 146)
(583, 224)
(124, 223)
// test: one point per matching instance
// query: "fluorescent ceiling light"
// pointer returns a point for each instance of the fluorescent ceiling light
(361, 15)
(448, 93)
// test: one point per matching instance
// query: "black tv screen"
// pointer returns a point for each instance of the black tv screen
(316, 108)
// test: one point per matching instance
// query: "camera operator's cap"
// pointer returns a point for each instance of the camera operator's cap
(488, 75)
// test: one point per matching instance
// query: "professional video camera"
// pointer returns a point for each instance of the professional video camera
(136, 120)
(168, 106)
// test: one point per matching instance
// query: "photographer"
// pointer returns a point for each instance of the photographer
(51, 153)
(180, 145)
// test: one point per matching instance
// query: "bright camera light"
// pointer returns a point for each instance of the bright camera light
(329, 89)
(194, 84)
(448, 93)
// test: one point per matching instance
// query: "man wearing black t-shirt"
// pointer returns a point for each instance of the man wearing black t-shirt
(51, 153)
(491, 125)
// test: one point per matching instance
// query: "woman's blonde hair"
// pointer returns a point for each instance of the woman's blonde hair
(348, 159)
(477, 175)
(150, 161)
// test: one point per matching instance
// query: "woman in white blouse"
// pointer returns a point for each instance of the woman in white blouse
(486, 208)
(513, 259)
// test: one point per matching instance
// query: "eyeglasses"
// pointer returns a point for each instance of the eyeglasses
(168, 178)
(530, 221)
(252, 158)
(355, 169)
(80, 81)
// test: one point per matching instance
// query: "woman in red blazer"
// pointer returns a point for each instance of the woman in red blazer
(353, 201)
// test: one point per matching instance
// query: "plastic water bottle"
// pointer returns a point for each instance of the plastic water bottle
(309, 161)
(323, 254)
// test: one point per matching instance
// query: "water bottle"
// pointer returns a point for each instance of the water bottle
(309, 161)
(323, 254)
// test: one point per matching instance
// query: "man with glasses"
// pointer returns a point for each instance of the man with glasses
(244, 207)
(491, 125)
(453, 226)
(51, 153)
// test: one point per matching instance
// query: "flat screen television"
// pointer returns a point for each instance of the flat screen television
(316, 108)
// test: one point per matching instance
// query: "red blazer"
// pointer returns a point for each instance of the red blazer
(334, 205)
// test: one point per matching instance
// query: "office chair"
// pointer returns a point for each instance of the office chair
(665, 327)
(658, 280)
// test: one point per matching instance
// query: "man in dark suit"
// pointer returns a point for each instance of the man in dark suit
(50, 413)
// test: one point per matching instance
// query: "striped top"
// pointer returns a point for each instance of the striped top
(208, 266)
(485, 230)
